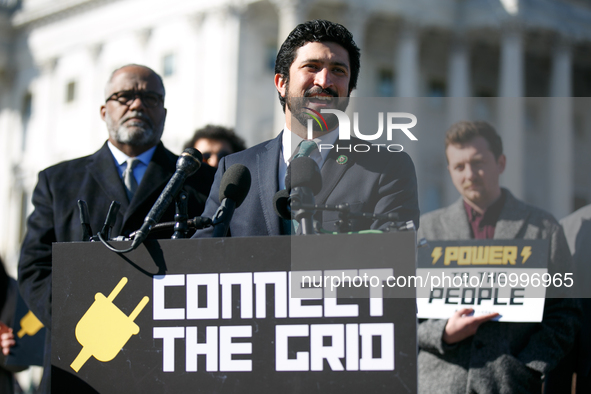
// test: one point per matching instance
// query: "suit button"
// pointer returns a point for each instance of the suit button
(478, 345)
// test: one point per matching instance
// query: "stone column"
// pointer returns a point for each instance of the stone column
(8, 132)
(221, 41)
(458, 81)
(458, 74)
(561, 185)
(291, 13)
(407, 62)
(406, 75)
(40, 142)
(94, 135)
(356, 21)
(511, 109)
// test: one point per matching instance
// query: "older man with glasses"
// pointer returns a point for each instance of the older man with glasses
(132, 167)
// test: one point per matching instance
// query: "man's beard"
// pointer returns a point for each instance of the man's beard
(297, 106)
(135, 133)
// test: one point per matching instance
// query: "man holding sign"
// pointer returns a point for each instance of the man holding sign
(468, 353)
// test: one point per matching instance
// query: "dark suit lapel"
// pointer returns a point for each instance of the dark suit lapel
(158, 173)
(512, 219)
(332, 172)
(267, 173)
(104, 171)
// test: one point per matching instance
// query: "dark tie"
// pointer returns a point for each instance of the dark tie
(128, 178)
(306, 149)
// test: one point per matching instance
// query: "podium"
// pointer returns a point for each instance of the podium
(230, 315)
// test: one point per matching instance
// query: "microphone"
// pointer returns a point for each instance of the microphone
(303, 172)
(187, 164)
(281, 204)
(85, 220)
(303, 180)
(234, 187)
(110, 219)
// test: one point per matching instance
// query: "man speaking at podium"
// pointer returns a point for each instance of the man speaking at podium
(132, 168)
(318, 61)
(467, 354)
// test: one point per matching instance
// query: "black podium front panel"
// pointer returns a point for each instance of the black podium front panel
(216, 316)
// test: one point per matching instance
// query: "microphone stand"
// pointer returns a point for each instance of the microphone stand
(85, 221)
(304, 211)
(181, 217)
(105, 234)
(181, 225)
(344, 222)
(303, 208)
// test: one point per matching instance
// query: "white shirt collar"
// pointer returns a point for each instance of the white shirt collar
(121, 157)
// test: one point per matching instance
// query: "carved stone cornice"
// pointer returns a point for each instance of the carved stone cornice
(52, 11)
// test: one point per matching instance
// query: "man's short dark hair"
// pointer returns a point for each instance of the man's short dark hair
(217, 133)
(318, 30)
(461, 133)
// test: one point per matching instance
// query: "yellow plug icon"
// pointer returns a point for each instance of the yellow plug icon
(104, 329)
(30, 325)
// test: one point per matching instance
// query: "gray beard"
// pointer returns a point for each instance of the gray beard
(133, 137)
(141, 135)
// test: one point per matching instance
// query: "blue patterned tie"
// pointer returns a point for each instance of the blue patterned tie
(129, 179)
(306, 148)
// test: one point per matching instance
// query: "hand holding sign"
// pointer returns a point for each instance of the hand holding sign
(6, 338)
(463, 325)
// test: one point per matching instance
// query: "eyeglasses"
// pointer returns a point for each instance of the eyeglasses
(127, 97)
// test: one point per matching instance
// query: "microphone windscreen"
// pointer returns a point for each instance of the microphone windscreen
(281, 204)
(189, 161)
(303, 172)
(235, 184)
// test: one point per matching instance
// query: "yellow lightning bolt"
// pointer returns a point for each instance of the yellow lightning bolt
(525, 253)
(436, 254)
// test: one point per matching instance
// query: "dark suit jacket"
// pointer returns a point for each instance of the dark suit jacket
(500, 357)
(370, 182)
(7, 311)
(577, 229)
(94, 179)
